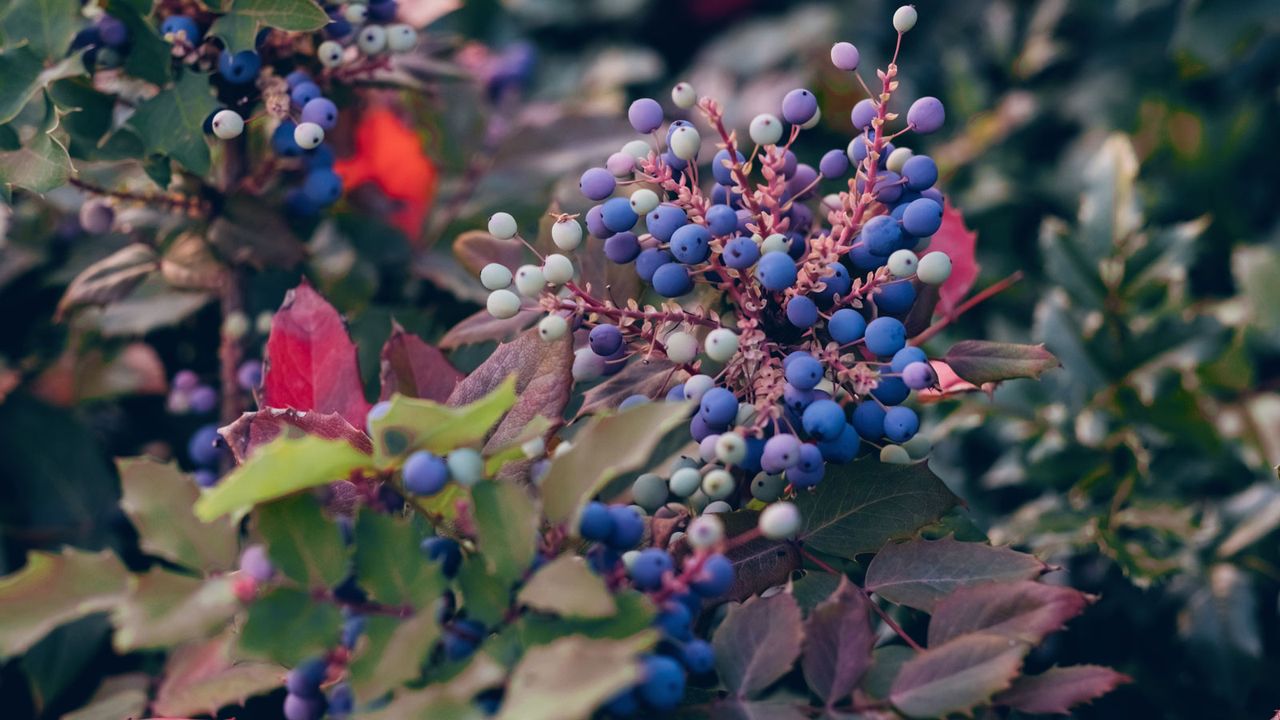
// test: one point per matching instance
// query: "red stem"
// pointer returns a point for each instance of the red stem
(874, 605)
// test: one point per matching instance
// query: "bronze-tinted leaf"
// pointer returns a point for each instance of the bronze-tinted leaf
(1058, 689)
(1024, 609)
(918, 573)
(254, 429)
(189, 264)
(981, 361)
(202, 678)
(483, 327)
(757, 643)
(477, 248)
(838, 639)
(651, 378)
(957, 676)
(109, 279)
(411, 366)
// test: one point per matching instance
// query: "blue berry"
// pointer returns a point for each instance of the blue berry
(741, 252)
(352, 629)
(799, 106)
(804, 372)
(202, 447)
(776, 271)
(622, 247)
(322, 186)
(595, 523)
(895, 298)
(926, 115)
(920, 171)
(628, 528)
(113, 31)
(919, 375)
(691, 244)
(663, 685)
(905, 357)
(598, 184)
(801, 478)
(801, 184)
(645, 115)
(672, 280)
(863, 113)
(444, 551)
(304, 92)
(715, 578)
(595, 222)
(722, 220)
(181, 24)
(297, 707)
(864, 260)
(780, 452)
(846, 325)
(647, 569)
(802, 312)
(837, 284)
(342, 701)
(868, 420)
(425, 473)
(901, 424)
(922, 217)
(625, 704)
(811, 460)
(891, 391)
(205, 478)
(885, 336)
(834, 164)
(322, 112)
(676, 394)
(461, 639)
(698, 656)
(823, 419)
(605, 340)
(618, 215)
(305, 679)
(889, 187)
(664, 220)
(648, 262)
(882, 235)
(842, 449)
(630, 402)
(282, 142)
(724, 174)
(719, 407)
(675, 617)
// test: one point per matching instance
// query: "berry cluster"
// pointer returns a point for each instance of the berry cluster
(104, 44)
(810, 362)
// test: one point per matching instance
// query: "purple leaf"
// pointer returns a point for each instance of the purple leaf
(608, 280)
(414, 368)
(543, 372)
(957, 676)
(1058, 689)
(918, 573)
(483, 327)
(255, 429)
(757, 643)
(650, 378)
(981, 361)
(1024, 610)
(838, 643)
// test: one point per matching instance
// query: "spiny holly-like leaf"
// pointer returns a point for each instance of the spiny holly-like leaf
(1024, 610)
(757, 643)
(507, 525)
(477, 248)
(393, 651)
(416, 369)
(607, 447)
(543, 373)
(256, 429)
(109, 279)
(45, 25)
(957, 676)
(281, 468)
(20, 68)
(237, 31)
(302, 543)
(390, 566)
(1058, 689)
(567, 587)
(571, 677)
(149, 55)
(170, 123)
(164, 609)
(838, 639)
(982, 361)
(311, 361)
(484, 327)
(199, 679)
(286, 625)
(292, 15)
(918, 573)
(411, 424)
(158, 498)
(959, 243)
(52, 589)
(485, 596)
(868, 502)
(651, 378)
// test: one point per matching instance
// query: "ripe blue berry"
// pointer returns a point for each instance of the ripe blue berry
(846, 325)
(718, 407)
(239, 68)
(282, 142)
(595, 222)
(799, 106)
(802, 312)
(891, 391)
(628, 528)
(926, 115)
(663, 684)
(885, 336)
(824, 419)
(297, 707)
(723, 172)
(922, 217)
(202, 447)
(425, 473)
(698, 656)
(648, 568)
(595, 523)
(672, 280)
(605, 340)
(255, 563)
(598, 184)
(444, 551)
(622, 247)
(721, 220)
(322, 186)
(804, 372)
(665, 220)
(305, 679)
(919, 375)
(618, 215)
(776, 271)
(645, 115)
(834, 164)
(882, 235)
(674, 619)
(741, 252)
(780, 452)
(906, 356)
(180, 25)
(901, 424)
(691, 244)
(715, 578)
(895, 298)
(322, 112)
(862, 114)
(868, 420)
(304, 92)
(921, 172)
(842, 449)
(648, 262)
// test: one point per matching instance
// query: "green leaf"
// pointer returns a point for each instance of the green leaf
(165, 609)
(149, 55)
(607, 447)
(507, 526)
(302, 543)
(112, 278)
(158, 498)
(411, 424)
(957, 676)
(172, 122)
(485, 596)
(390, 566)
(236, 30)
(981, 361)
(46, 26)
(566, 586)
(119, 696)
(917, 573)
(634, 614)
(866, 503)
(286, 626)
(20, 70)
(571, 677)
(292, 15)
(757, 643)
(54, 589)
(281, 468)
(200, 678)
(42, 164)
(392, 652)
(1109, 209)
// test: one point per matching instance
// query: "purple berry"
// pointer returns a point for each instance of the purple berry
(926, 115)
(780, 452)
(863, 113)
(834, 164)
(597, 184)
(741, 252)
(605, 340)
(255, 563)
(799, 106)
(322, 112)
(919, 375)
(844, 56)
(622, 247)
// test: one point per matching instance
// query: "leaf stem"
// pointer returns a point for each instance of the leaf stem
(965, 307)
(893, 625)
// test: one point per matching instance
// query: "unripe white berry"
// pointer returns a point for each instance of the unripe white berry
(638, 149)
(705, 532)
(567, 234)
(534, 448)
(898, 158)
(643, 201)
(308, 135)
(716, 507)
(355, 14)
(401, 38)
(629, 559)
(779, 521)
(372, 39)
(685, 142)
(918, 447)
(682, 347)
(777, 242)
(227, 124)
(530, 280)
(557, 269)
(813, 121)
(904, 18)
(495, 276)
(683, 95)
(329, 53)
(765, 129)
(894, 455)
(695, 386)
(503, 304)
(746, 411)
(685, 482)
(502, 226)
(466, 467)
(934, 268)
(731, 448)
(552, 327)
(718, 484)
(902, 263)
(721, 344)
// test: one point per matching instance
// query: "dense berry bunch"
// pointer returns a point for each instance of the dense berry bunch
(818, 268)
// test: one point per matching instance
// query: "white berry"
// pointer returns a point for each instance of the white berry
(552, 327)
(308, 135)
(643, 201)
(695, 386)
(401, 38)
(765, 129)
(503, 304)
(779, 521)
(495, 276)
(529, 280)
(502, 226)
(685, 482)
(902, 263)
(557, 269)
(638, 149)
(685, 142)
(567, 234)
(704, 532)
(682, 347)
(718, 484)
(329, 53)
(894, 455)
(904, 18)
(355, 14)
(683, 95)
(898, 158)
(722, 344)
(934, 268)
(372, 40)
(228, 124)
(731, 448)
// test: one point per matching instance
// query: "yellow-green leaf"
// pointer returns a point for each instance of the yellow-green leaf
(412, 424)
(52, 589)
(571, 677)
(158, 498)
(567, 587)
(164, 609)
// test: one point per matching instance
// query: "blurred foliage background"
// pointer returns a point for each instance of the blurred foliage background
(1119, 154)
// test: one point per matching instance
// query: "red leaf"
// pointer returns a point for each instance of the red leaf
(415, 368)
(201, 678)
(254, 429)
(1058, 689)
(958, 242)
(838, 639)
(483, 327)
(311, 361)
(757, 643)
(389, 154)
(1024, 610)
